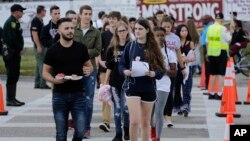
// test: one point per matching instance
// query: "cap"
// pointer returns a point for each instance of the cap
(219, 16)
(17, 7)
(234, 13)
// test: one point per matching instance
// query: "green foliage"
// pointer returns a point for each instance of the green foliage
(28, 63)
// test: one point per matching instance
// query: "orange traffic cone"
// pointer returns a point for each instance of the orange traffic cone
(248, 93)
(228, 97)
(229, 121)
(203, 77)
(209, 86)
(234, 82)
(2, 110)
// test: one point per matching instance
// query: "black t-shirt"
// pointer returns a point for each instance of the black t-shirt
(238, 36)
(112, 63)
(68, 61)
(106, 38)
(49, 34)
(36, 25)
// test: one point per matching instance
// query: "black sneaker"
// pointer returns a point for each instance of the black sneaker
(126, 133)
(17, 101)
(211, 96)
(105, 127)
(13, 103)
(185, 113)
(217, 97)
(45, 87)
(117, 138)
(180, 113)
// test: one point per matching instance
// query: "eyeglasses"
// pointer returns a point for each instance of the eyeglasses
(121, 31)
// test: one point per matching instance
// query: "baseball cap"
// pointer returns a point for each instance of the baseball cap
(17, 7)
(219, 16)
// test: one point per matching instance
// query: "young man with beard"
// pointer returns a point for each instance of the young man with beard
(68, 95)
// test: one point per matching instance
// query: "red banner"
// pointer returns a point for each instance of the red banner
(180, 9)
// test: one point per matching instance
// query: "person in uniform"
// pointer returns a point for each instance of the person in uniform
(13, 42)
(35, 30)
(218, 39)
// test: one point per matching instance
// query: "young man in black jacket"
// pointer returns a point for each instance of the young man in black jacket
(49, 33)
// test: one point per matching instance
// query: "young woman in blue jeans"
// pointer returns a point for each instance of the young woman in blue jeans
(182, 103)
(115, 80)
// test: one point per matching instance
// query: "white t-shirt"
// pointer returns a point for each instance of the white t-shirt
(84, 31)
(173, 42)
(98, 23)
(164, 83)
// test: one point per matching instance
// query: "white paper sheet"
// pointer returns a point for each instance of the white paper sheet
(139, 68)
(190, 54)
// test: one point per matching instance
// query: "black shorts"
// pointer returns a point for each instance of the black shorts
(144, 96)
(218, 64)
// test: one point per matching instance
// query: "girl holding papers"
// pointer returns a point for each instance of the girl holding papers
(140, 87)
(182, 104)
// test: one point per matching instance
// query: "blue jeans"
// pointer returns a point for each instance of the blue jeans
(89, 84)
(63, 103)
(183, 102)
(121, 114)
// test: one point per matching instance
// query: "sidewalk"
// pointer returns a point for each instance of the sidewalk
(34, 121)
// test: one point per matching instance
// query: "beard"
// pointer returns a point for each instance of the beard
(67, 38)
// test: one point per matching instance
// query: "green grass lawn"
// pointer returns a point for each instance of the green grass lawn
(28, 63)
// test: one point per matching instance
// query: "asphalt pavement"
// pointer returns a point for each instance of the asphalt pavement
(34, 121)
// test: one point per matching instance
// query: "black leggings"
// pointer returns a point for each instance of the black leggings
(169, 105)
(206, 65)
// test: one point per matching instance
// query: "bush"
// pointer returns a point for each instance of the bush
(28, 63)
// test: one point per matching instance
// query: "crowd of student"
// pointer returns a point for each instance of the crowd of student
(107, 51)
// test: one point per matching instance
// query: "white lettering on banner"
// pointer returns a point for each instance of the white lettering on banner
(181, 10)
(242, 7)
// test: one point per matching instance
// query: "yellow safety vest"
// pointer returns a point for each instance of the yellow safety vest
(215, 44)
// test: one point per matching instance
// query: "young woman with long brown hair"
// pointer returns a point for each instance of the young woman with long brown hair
(141, 90)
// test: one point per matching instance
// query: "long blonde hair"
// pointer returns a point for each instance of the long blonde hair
(115, 41)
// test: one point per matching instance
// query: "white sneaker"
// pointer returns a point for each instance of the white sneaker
(170, 124)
